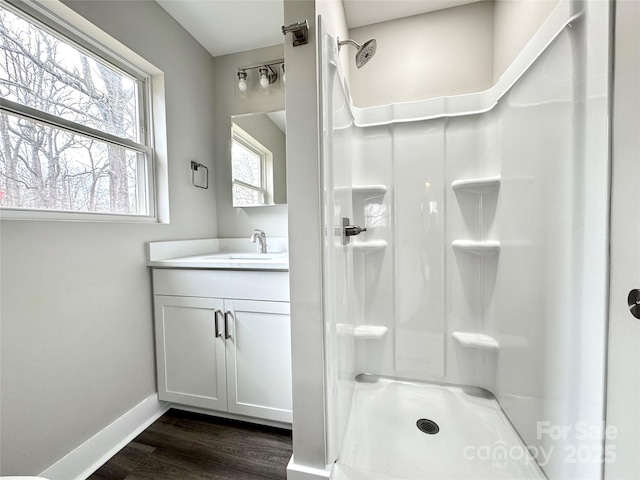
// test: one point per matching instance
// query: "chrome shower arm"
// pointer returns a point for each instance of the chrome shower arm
(348, 42)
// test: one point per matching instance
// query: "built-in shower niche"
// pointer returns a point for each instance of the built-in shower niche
(477, 259)
(370, 262)
(477, 199)
(371, 212)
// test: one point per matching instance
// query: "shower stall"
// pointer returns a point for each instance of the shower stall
(465, 329)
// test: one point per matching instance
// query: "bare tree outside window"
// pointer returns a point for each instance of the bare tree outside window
(46, 166)
(246, 171)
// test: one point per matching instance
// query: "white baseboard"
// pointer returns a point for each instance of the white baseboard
(93, 453)
(302, 472)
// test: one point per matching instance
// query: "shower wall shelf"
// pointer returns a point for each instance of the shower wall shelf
(476, 340)
(369, 246)
(480, 186)
(482, 247)
(486, 250)
(371, 190)
(370, 332)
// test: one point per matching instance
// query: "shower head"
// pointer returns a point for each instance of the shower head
(365, 51)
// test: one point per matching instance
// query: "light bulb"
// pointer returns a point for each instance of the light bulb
(264, 77)
(242, 80)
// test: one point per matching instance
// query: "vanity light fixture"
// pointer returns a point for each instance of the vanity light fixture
(266, 75)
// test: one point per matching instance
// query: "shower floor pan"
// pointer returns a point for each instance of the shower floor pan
(472, 438)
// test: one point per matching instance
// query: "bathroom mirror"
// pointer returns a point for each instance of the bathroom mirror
(258, 159)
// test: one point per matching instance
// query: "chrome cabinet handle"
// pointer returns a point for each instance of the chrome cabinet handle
(227, 336)
(633, 300)
(215, 322)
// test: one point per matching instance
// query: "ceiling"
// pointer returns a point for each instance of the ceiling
(280, 120)
(365, 12)
(231, 26)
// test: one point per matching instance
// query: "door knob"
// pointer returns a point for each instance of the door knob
(634, 302)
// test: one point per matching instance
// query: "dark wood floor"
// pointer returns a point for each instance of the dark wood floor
(185, 446)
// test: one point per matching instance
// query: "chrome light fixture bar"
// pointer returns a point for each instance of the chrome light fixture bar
(267, 74)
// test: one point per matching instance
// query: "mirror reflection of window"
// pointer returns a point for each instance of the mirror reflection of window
(258, 159)
(250, 161)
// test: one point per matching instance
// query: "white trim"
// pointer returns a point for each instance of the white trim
(34, 115)
(159, 193)
(302, 472)
(64, 216)
(93, 453)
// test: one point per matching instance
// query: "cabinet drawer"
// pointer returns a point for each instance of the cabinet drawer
(250, 285)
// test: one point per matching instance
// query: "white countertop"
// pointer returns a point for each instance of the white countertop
(219, 254)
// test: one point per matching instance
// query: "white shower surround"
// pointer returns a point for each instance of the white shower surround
(543, 130)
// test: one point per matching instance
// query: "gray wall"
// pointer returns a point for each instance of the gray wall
(240, 222)
(515, 22)
(447, 52)
(76, 316)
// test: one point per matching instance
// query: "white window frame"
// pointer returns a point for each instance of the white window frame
(266, 164)
(62, 22)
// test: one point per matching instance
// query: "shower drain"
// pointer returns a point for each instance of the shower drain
(427, 426)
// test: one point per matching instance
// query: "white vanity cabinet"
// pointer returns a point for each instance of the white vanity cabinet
(223, 340)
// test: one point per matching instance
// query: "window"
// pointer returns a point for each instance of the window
(73, 124)
(250, 162)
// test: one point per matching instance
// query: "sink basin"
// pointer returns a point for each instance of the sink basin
(246, 256)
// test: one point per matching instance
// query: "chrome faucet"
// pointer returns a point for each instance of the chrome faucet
(260, 237)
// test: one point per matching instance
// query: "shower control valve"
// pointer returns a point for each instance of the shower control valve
(349, 230)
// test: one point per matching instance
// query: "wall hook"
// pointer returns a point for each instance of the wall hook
(300, 32)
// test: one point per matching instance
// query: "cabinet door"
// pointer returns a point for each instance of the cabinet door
(190, 357)
(259, 359)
